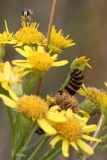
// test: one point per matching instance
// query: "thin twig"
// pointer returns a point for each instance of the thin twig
(86, 156)
(94, 144)
(47, 42)
(98, 128)
(99, 125)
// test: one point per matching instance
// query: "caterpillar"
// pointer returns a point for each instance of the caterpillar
(74, 84)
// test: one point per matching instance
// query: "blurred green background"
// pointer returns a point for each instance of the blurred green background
(86, 23)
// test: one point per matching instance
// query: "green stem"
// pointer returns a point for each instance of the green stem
(102, 126)
(17, 143)
(52, 152)
(31, 136)
(12, 126)
(27, 142)
(29, 86)
(66, 82)
(104, 138)
(55, 154)
(23, 127)
(39, 148)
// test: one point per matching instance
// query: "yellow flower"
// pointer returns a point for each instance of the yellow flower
(72, 132)
(5, 37)
(37, 60)
(28, 34)
(58, 41)
(1, 67)
(80, 63)
(36, 109)
(11, 75)
(106, 84)
(93, 94)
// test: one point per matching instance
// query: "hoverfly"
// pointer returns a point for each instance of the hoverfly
(26, 14)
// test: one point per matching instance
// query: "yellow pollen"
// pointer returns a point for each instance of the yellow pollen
(2, 67)
(29, 34)
(70, 130)
(95, 95)
(40, 60)
(32, 106)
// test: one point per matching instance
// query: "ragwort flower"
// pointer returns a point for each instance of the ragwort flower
(58, 41)
(80, 63)
(11, 75)
(93, 94)
(28, 34)
(5, 38)
(37, 61)
(94, 99)
(36, 109)
(72, 132)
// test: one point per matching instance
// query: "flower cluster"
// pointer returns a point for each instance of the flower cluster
(61, 116)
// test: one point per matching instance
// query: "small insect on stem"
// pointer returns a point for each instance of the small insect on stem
(26, 15)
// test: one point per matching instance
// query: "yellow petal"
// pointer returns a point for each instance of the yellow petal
(85, 113)
(54, 108)
(85, 146)
(25, 65)
(83, 120)
(89, 128)
(8, 101)
(54, 56)
(7, 70)
(90, 138)
(13, 95)
(24, 61)
(60, 63)
(46, 126)
(5, 85)
(84, 87)
(69, 113)
(18, 44)
(2, 78)
(88, 65)
(40, 49)
(56, 118)
(22, 52)
(74, 145)
(65, 148)
(105, 83)
(62, 113)
(6, 27)
(27, 49)
(82, 92)
(55, 140)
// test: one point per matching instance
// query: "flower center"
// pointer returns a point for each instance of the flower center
(32, 106)
(29, 34)
(1, 67)
(70, 130)
(40, 60)
(65, 101)
(95, 95)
